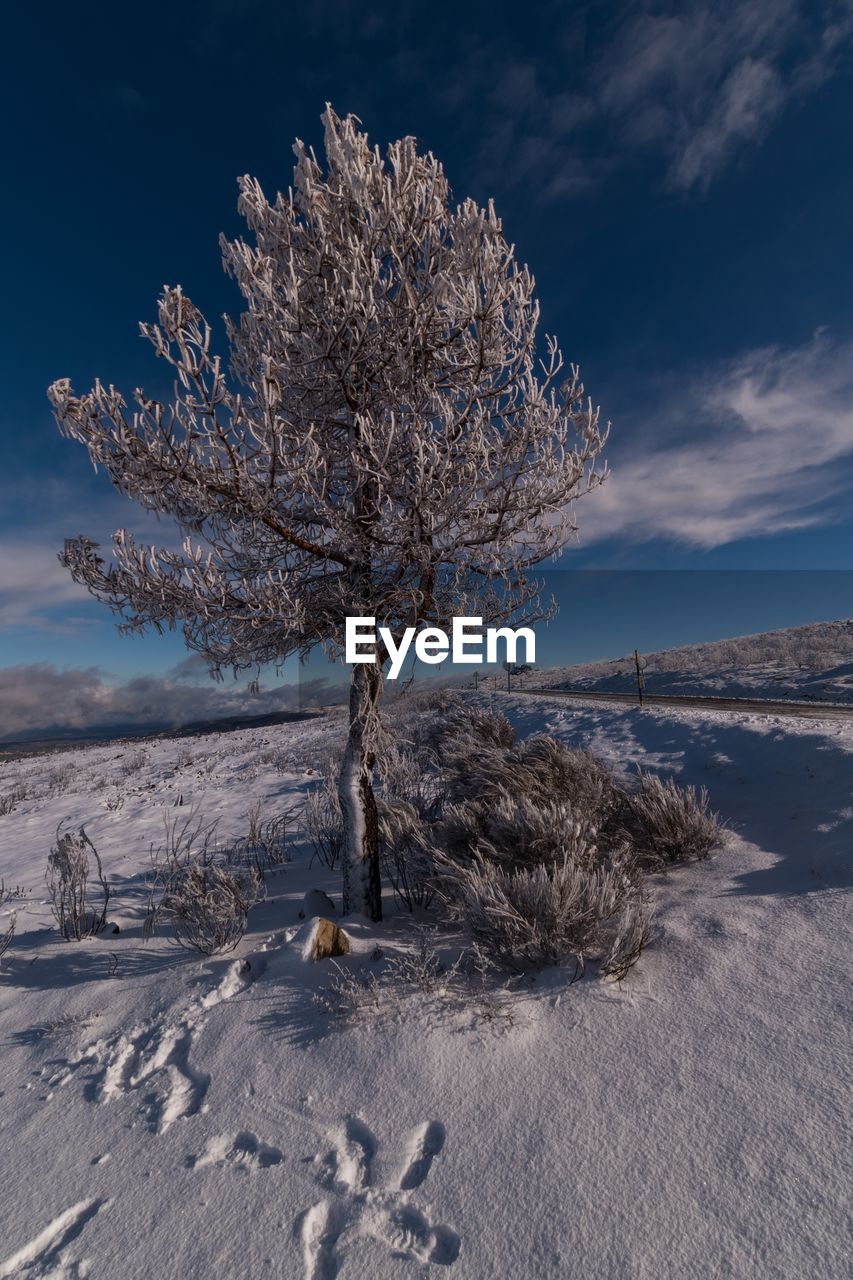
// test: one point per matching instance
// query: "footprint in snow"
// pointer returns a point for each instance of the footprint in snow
(45, 1257)
(360, 1208)
(244, 1151)
(155, 1059)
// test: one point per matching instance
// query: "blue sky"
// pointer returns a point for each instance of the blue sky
(679, 178)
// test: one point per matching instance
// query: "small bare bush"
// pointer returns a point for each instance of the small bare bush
(67, 879)
(187, 838)
(133, 763)
(353, 993)
(422, 968)
(670, 824)
(11, 892)
(58, 779)
(276, 758)
(323, 823)
(11, 799)
(7, 936)
(390, 990)
(68, 1022)
(265, 845)
(206, 905)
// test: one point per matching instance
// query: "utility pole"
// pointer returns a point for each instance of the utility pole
(639, 676)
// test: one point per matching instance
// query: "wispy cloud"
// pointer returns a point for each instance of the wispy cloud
(770, 449)
(37, 698)
(710, 78)
(35, 591)
(696, 86)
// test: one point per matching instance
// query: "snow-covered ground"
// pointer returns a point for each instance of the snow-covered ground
(163, 1115)
(811, 664)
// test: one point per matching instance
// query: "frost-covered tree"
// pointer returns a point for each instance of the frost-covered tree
(386, 441)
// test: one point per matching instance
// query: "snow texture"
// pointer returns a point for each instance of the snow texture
(166, 1114)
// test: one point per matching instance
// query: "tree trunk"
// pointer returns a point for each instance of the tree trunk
(362, 890)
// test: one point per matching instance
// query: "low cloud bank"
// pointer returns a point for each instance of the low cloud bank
(39, 700)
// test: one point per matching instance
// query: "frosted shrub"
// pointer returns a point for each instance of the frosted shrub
(405, 853)
(323, 823)
(423, 968)
(550, 768)
(354, 993)
(670, 824)
(58, 779)
(265, 844)
(633, 931)
(411, 800)
(513, 829)
(540, 768)
(204, 902)
(433, 724)
(408, 777)
(133, 763)
(67, 879)
(537, 915)
(531, 805)
(7, 936)
(488, 728)
(400, 984)
(207, 906)
(12, 798)
(187, 838)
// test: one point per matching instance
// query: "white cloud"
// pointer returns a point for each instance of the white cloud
(36, 592)
(770, 449)
(703, 82)
(36, 698)
(741, 111)
(33, 584)
(696, 87)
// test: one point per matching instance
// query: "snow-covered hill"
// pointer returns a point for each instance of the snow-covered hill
(812, 663)
(190, 1118)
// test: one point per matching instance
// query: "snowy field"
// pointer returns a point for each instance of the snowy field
(800, 664)
(163, 1115)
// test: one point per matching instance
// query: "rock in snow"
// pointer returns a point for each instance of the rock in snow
(317, 903)
(328, 940)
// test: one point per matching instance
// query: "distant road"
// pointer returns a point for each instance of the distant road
(761, 706)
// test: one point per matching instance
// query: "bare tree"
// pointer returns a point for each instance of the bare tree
(387, 442)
